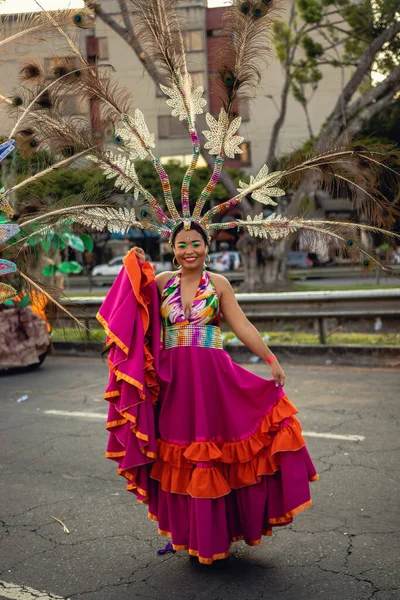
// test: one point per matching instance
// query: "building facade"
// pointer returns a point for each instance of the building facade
(201, 29)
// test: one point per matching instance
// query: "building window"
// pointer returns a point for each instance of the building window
(171, 127)
(103, 48)
(193, 40)
(198, 78)
(245, 157)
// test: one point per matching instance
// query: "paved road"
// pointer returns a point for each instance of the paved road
(345, 547)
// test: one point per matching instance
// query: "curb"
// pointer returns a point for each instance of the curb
(309, 354)
(319, 354)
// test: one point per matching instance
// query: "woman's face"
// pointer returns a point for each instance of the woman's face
(190, 249)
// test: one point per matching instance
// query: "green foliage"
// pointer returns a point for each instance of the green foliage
(60, 184)
(284, 40)
(311, 48)
(74, 241)
(87, 241)
(70, 266)
(386, 125)
(335, 33)
(311, 11)
(368, 19)
(50, 270)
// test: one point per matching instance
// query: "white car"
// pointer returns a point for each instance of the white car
(107, 272)
(113, 267)
(234, 260)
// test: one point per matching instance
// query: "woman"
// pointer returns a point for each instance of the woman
(230, 459)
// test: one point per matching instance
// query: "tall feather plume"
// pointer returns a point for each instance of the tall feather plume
(327, 165)
(58, 218)
(74, 75)
(72, 136)
(157, 29)
(29, 27)
(243, 49)
(358, 172)
(116, 220)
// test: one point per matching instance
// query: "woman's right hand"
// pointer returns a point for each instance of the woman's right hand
(139, 253)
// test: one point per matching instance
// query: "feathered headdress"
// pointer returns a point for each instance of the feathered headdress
(244, 46)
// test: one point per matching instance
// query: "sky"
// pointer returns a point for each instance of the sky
(11, 6)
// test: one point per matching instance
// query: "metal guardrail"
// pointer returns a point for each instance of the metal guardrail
(331, 272)
(261, 308)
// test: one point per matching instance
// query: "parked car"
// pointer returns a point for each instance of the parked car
(106, 273)
(234, 260)
(298, 260)
(112, 268)
(305, 260)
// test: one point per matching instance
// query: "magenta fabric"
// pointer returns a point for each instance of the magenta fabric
(120, 311)
(213, 397)
(204, 397)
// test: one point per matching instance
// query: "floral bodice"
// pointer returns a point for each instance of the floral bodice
(205, 307)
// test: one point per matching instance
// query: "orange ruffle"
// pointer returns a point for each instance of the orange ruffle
(140, 277)
(208, 482)
(137, 475)
(229, 465)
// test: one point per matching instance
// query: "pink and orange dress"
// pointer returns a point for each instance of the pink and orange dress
(213, 449)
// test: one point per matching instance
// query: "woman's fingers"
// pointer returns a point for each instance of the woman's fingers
(280, 379)
(139, 253)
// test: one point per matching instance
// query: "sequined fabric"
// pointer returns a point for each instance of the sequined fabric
(204, 336)
(205, 307)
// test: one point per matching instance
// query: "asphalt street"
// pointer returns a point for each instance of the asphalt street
(346, 547)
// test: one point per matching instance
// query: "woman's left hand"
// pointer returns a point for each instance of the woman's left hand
(277, 373)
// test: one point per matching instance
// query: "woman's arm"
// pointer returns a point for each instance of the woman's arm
(242, 328)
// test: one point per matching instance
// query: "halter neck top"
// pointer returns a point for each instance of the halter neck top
(205, 307)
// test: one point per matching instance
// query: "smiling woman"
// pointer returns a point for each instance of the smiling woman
(228, 461)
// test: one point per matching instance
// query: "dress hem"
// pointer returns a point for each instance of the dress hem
(266, 532)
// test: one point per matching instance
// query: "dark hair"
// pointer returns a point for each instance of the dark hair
(194, 227)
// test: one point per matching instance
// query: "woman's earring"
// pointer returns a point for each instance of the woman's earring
(209, 260)
(178, 266)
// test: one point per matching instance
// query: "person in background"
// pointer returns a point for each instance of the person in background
(224, 262)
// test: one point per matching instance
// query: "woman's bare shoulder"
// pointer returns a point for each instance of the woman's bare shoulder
(162, 278)
(220, 282)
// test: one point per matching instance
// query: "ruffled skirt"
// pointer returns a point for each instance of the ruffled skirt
(231, 460)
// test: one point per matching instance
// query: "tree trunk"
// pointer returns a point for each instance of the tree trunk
(247, 247)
